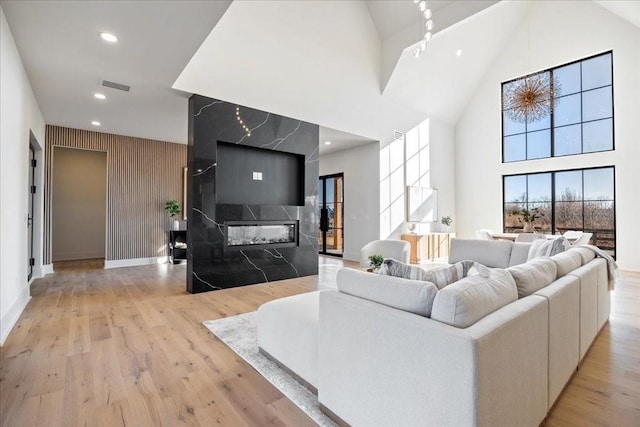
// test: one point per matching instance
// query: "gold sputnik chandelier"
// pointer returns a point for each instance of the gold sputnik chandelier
(530, 98)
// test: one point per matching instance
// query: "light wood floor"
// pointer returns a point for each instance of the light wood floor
(126, 347)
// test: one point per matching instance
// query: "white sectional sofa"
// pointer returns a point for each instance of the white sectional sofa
(483, 351)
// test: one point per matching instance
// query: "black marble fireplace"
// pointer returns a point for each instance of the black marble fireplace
(251, 196)
(261, 234)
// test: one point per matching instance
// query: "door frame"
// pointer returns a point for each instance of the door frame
(31, 210)
(322, 245)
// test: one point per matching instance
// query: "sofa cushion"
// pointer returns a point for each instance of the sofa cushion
(540, 248)
(519, 253)
(463, 303)
(413, 296)
(533, 275)
(586, 253)
(566, 262)
(492, 253)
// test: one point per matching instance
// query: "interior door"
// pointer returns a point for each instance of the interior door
(331, 214)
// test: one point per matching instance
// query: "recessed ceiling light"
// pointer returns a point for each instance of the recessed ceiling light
(95, 123)
(108, 37)
(327, 142)
(458, 52)
(99, 96)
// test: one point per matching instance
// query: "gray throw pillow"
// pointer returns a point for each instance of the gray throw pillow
(441, 277)
(541, 247)
(395, 268)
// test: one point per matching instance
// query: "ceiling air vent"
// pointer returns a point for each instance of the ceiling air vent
(114, 85)
(397, 135)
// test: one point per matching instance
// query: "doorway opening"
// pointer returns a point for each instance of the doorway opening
(78, 204)
(331, 206)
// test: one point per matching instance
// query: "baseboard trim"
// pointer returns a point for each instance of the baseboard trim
(47, 269)
(351, 256)
(10, 319)
(133, 262)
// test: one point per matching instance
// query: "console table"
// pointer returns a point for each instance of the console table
(177, 246)
(428, 246)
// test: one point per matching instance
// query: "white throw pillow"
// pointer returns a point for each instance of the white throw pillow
(408, 295)
(533, 275)
(463, 303)
(541, 247)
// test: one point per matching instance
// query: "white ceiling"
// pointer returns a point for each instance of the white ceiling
(320, 62)
(66, 60)
(340, 141)
(392, 16)
(342, 64)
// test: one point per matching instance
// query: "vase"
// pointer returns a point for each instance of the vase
(176, 224)
(528, 228)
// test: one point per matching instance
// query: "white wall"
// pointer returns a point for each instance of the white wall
(443, 177)
(435, 143)
(19, 113)
(361, 198)
(561, 32)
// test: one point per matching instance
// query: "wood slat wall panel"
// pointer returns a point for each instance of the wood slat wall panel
(142, 175)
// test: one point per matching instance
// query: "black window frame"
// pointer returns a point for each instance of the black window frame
(553, 200)
(552, 127)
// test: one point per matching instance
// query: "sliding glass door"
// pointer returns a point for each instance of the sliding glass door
(331, 206)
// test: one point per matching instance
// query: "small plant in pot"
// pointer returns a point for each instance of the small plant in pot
(375, 261)
(446, 221)
(173, 209)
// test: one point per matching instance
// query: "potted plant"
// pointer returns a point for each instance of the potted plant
(173, 209)
(375, 261)
(528, 217)
(446, 221)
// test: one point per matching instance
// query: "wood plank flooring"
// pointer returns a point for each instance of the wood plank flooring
(126, 347)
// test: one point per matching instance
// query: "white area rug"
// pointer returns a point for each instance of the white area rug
(240, 334)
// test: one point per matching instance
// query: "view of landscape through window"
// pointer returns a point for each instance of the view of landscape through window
(580, 199)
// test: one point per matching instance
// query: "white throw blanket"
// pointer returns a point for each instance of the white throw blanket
(612, 267)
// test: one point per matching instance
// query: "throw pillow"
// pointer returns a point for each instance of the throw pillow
(541, 247)
(465, 302)
(533, 275)
(441, 277)
(395, 268)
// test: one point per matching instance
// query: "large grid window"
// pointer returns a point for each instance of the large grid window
(580, 199)
(580, 122)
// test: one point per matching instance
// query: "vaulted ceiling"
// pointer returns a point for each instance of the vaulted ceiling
(345, 65)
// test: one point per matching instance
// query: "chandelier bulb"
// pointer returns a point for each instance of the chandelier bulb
(427, 36)
(416, 53)
(422, 5)
(423, 45)
(428, 14)
(429, 25)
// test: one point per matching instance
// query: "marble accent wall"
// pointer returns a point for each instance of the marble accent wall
(211, 266)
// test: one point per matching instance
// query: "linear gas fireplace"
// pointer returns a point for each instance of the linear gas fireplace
(260, 234)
